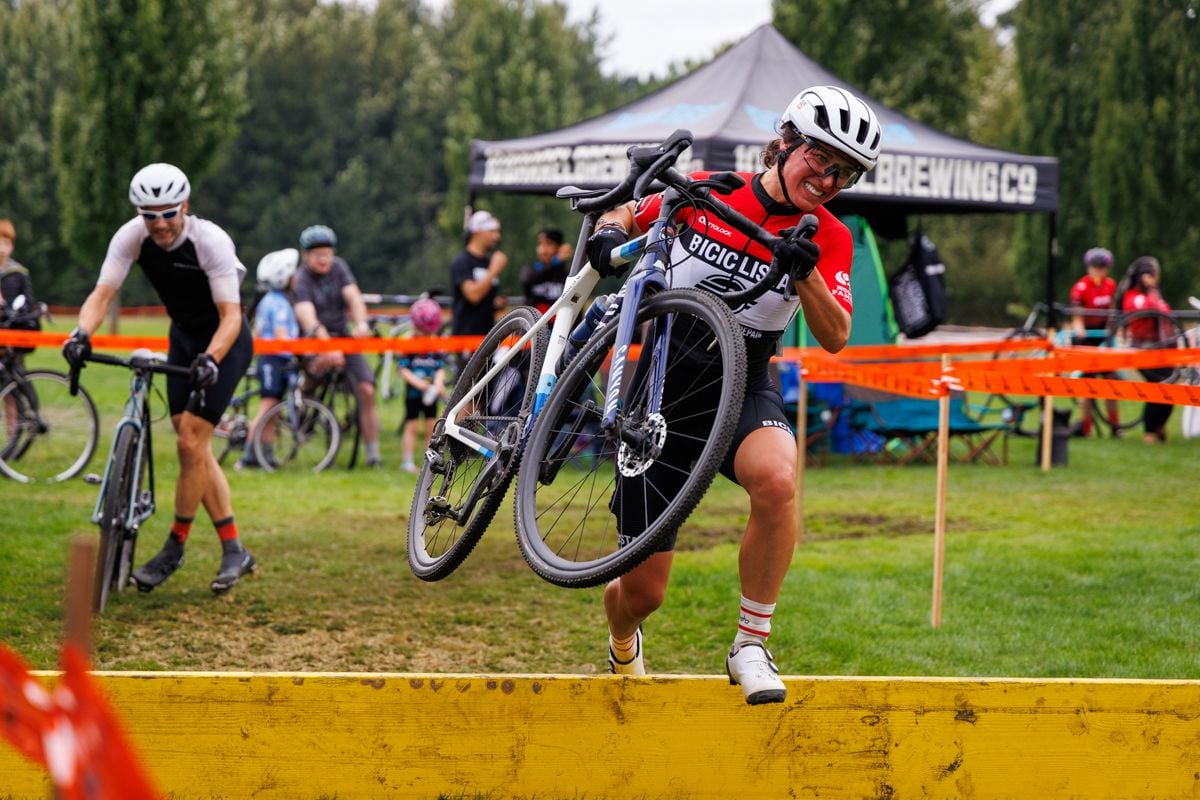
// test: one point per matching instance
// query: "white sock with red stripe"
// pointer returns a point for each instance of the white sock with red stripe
(754, 622)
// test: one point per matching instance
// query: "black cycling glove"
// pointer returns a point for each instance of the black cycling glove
(599, 248)
(204, 371)
(77, 348)
(796, 254)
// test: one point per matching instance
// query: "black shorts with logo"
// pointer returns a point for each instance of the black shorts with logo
(762, 408)
(184, 348)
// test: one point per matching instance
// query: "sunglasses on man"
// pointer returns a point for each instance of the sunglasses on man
(169, 213)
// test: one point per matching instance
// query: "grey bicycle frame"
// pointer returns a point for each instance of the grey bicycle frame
(137, 416)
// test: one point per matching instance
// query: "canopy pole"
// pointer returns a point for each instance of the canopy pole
(1052, 251)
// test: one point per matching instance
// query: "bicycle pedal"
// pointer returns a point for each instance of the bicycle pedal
(93, 479)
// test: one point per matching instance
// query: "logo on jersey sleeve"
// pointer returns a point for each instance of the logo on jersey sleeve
(841, 287)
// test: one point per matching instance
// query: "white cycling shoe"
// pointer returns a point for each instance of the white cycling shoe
(634, 666)
(751, 666)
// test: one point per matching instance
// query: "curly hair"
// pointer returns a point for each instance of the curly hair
(789, 137)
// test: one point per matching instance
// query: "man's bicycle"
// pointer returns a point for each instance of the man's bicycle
(126, 497)
(48, 433)
(524, 402)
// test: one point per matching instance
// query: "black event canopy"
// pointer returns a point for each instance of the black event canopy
(732, 105)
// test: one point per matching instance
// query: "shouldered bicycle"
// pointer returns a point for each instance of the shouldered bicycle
(524, 401)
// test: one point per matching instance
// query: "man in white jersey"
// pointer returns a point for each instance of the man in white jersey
(194, 268)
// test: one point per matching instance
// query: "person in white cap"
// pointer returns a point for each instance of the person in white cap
(474, 274)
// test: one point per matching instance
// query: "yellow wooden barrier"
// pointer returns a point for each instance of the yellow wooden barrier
(207, 735)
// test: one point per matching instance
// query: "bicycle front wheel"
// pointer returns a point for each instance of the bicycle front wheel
(297, 437)
(593, 504)
(115, 553)
(459, 489)
(48, 434)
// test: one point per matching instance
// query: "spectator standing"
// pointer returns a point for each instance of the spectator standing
(424, 376)
(15, 280)
(193, 266)
(1143, 294)
(1094, 291)
(543, 279)
(474, 274)
(325, 292)
(274, 318)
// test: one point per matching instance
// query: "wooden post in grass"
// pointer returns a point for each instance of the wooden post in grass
(81, 575)
(939, 524)
(1047, 414)
(801, 449)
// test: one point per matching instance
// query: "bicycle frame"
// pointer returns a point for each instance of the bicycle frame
(137, 416)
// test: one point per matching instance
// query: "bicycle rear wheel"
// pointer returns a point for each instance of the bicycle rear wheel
(459, 489)
(115, 554)
(1169, 334)
(297, 437)
(47, 434)
(582, 521)
(342, 400)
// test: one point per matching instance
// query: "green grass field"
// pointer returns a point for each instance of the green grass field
(1088, 571)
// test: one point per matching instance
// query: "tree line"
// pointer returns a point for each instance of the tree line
(292, 112)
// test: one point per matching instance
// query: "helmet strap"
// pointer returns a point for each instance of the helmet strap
(779, 162)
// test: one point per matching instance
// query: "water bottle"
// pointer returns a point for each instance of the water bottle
(586, 327)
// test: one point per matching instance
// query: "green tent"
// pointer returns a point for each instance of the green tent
(873, 320)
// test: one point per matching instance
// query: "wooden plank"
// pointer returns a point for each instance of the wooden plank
(206, 735)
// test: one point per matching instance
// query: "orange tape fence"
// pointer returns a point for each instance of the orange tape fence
(911, 370)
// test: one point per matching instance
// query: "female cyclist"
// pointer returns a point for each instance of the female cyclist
(828, 139)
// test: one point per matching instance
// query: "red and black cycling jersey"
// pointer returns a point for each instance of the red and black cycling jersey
(1086, 293)
(710, 254)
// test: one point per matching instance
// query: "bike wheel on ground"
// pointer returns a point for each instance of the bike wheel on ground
(1168, 334)
(114, 559)
(459, 489)
(297, 437)
(640, 481)
(47, 434)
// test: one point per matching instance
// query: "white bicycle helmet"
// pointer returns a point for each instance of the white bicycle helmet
(836, 117)
(159, 185)
(275, 270)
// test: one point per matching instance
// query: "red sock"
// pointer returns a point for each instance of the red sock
(181, 528)
(226, 529)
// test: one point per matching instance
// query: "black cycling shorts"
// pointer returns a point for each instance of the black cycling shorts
(762, 408)
(415, 408)
(183, 351)
(272, 375)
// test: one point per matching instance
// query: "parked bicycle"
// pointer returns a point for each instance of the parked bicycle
(297, 433)
(233, 431)
(49, 434)
(335, 390)
(525, 400)
(126, 498)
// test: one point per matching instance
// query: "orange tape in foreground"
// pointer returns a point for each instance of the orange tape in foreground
(418, 344)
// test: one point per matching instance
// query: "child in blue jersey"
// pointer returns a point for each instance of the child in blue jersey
(273, 319)
(425, 377)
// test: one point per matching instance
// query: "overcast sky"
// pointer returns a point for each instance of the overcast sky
(646, 36)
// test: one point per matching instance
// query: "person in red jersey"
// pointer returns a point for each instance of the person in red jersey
(1095, 290)
(828, 138)
(1148, 331)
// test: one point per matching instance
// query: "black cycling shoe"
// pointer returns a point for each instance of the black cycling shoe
(236, 561)
(161, 567)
